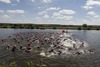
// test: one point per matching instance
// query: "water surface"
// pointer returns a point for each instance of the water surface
(90, 60)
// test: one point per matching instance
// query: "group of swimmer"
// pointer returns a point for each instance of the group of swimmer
(14, 48)
(48, 43)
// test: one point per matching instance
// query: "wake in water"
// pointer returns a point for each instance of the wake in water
(65, 44)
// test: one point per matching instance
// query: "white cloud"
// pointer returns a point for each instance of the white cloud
(91, 3)
(33, 0)
(5, 1)
(42, 13)
(1, 11)
(46, 16)
(53, 9)
(87, 7)
(92, 14)
(47, 1)
(63, 15)
(68, 18)
(64, 11)
(46, 11)
(97, 16)
(18, 0)
(15, 11)
(5, 16)
(56, 14)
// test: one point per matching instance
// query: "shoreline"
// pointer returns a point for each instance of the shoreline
(50, 26)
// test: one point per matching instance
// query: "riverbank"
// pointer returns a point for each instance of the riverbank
(50, 26)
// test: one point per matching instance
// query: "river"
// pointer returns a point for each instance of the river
(90, 60)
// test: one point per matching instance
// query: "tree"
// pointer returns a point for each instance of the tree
(84, 25)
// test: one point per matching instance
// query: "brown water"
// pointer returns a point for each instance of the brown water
(21, 57)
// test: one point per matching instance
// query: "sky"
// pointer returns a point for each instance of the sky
(64, 12)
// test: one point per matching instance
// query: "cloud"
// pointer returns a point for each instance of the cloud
(93, 14)
(91, 3)
(53, 9)
(46, 16)
(1, 11)
(47, 1)
(18, 0)
(68, 18)
(63, 15)
(87, 7)
(56, 14)
(15, 11)
(5, 16)
(42, 13)
(5, 1)
(48, 9)
(64, 11)
(33, 0)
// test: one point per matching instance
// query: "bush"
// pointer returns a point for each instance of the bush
(84, 25)
(79, 28)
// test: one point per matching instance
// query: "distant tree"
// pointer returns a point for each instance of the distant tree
(84, 25)
(54, 28)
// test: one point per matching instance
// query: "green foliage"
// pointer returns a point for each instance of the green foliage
(79, 28)
(88, 28)
(30, 64)
(50, 26)
(3, 65)
(54, 28)
(97, 29)
(13, 64)
(84, 25)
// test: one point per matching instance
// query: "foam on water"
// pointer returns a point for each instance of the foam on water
(67, 45)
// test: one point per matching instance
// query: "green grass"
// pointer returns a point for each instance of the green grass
(29, 64)
(13, 64)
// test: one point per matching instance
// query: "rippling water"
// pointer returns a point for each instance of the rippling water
(88, 60)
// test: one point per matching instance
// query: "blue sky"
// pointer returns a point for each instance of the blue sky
(65, 12)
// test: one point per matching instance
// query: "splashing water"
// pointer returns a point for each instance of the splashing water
(66, 44)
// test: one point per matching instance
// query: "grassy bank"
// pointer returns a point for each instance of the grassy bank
(28, 64)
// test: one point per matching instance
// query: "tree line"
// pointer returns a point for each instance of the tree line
(50, 26)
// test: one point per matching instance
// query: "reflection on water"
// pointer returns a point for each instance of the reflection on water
(91, 36)
(88, 60)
